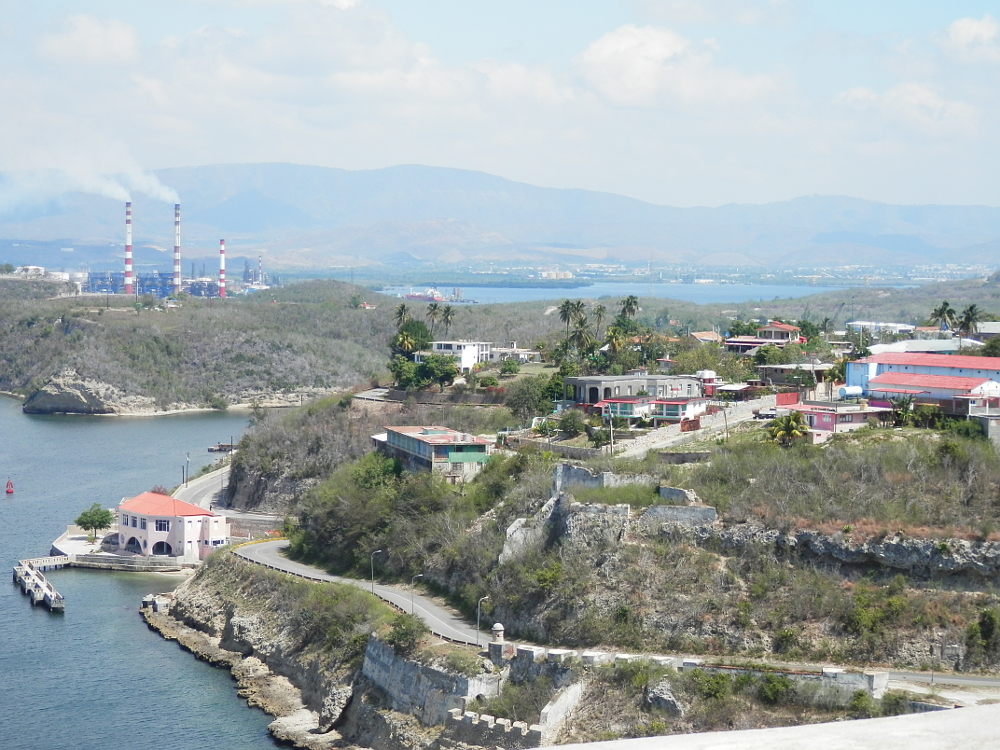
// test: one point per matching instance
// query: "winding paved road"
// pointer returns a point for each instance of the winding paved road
(442, 622)
(449, 625)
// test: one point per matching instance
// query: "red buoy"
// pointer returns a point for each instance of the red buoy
(10, 487)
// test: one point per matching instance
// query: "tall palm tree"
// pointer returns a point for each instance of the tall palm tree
(401, 316)
(825, 326)
(943, 315)
(970, 318)
(630, 306)
(783, 430)
(566, 313)
(433, 314)
(599, 312)
(582, 338)
(447, 317)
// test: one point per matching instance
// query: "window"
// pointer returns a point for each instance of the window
(846, 418)
(218, 542)
(162, 525)
(133, 522)
(124, 520)
(142, 523)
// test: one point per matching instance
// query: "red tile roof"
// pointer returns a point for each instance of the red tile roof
(912, 380)
(956, 361)
(780, 326)
(155, 504)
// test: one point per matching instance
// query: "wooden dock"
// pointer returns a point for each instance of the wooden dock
(28, 575)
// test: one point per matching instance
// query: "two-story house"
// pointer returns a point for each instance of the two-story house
(459, 456)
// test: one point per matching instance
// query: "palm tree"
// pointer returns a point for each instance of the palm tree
(599, 312)
(581, 337)
(783, 430)
(405, 342)
(825, 326)
(566, 314)
(943, 315)
(630, 306)
(433, 314)
(970, 319)
(401, 316)
(615, 338)
(447, 317)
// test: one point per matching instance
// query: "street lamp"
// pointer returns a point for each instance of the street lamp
(187, 472)
(479, 607)
(412, 581)
(372, 561)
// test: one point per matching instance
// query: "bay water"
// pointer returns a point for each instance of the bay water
(702, 294)
(97, 677)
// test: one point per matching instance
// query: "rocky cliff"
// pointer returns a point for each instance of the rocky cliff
(271, 635)
(68, 393)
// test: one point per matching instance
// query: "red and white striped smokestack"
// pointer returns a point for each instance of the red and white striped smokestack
(177, 248)
(128, 247)
(222, 269)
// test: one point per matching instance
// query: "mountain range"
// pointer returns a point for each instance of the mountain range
(310, 217)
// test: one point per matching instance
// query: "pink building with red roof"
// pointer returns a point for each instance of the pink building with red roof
(152, 524)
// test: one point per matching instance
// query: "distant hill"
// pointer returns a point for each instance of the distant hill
(313, 217)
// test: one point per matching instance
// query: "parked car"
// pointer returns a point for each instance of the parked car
(765, 414)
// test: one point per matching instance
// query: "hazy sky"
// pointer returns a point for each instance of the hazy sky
(683, 102)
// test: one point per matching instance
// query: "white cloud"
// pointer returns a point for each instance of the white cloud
(638, 65)
(90, 40)
(973, 40)
(919, 106)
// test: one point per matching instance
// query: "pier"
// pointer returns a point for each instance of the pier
(28, 575)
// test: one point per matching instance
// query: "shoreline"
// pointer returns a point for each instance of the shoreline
(273, 694)
(241, 407)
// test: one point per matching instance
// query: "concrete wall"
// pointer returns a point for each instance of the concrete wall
(691, 515)
(566, 475)
(424, 692)
(484, 730)
(834, 682)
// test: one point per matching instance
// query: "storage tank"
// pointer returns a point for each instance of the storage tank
(850, 391)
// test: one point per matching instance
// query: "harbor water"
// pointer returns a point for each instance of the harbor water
(96, 676)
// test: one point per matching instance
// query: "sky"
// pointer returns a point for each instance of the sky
(677, 102)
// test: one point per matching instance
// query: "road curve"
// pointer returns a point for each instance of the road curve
(442, 622)
(450, 626)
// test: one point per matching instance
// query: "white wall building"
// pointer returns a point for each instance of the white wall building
(152, 524)
(467, 354)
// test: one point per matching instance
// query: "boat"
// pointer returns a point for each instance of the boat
(428, 295)
(10, 487)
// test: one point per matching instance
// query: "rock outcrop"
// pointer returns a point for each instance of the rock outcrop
(68, 393)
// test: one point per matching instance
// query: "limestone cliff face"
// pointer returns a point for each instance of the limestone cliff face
(68, 393)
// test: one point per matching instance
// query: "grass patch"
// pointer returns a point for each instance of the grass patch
(637, 495)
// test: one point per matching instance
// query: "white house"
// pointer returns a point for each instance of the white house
(161, 525)
(467, 354)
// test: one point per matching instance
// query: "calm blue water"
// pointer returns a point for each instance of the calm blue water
(701, 294)
(97, 677)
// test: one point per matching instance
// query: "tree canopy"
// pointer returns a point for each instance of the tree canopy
(95, 518)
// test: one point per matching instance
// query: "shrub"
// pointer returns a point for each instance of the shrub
(861, 706)
(775, 689)
(895, 704)
(405, 634)
(488, 381)
(510, 367)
